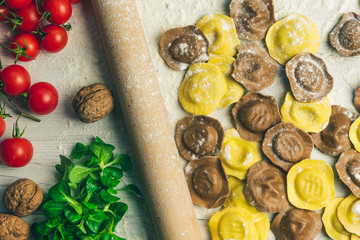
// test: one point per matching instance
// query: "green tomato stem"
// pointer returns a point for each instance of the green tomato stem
(22, 113)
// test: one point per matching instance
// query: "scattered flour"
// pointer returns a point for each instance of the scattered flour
(162, 15)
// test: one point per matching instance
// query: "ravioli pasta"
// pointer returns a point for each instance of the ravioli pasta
(221, 32)
(202, 89)
(238, 155)
(234, 90)
(309, 117)
(293, 35)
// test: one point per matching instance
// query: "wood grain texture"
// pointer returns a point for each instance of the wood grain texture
(146, 119)
(81, 63)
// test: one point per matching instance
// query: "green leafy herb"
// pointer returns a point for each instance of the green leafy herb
(84, 204)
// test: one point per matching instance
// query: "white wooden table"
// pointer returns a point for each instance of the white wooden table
(83, 62)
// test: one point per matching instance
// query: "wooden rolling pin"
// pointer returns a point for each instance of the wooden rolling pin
(146, 119)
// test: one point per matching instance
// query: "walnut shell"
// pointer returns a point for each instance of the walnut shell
(93, 103)
(23, 197)
(13, 228)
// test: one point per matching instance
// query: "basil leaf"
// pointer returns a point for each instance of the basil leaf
(102, 151)
(90, 205)
(64, 167)
(61, 193)
(119, 209)
(107, 197)
(109, 182)
(91, 187)
(72, 215)
(79, 151)
(98, 140)
(79, 173)
(77, 208)
(115, 237)
(53, 222)
(131, 188)
(95, 219)
(53, 209)
(113, 173)
(124, 161)
(40, 230)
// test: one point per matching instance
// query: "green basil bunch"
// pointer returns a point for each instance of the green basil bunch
(84, 204)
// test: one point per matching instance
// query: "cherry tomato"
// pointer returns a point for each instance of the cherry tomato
(16, 80)
(16, 152)
(30, 18)
(75, 1)
(17, 4)
(32, 43)
(60, 10)
(55, 39)
(2, 126)
(4, 10)
(43, 98)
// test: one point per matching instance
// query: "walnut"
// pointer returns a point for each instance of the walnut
(93, 103)
(13, 228)
(22, 197)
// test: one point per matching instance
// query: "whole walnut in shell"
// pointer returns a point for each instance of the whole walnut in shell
(23, 197)
(93, 103)
(13, 228)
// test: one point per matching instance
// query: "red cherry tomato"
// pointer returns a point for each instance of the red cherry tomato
(4, 10)
(75, 1)
(16, 152)
(55, 39)
(30, 18)
(2, 126)
(16, 80)
(60, 10)
(32, 43)
(43, 98)
(17, 4)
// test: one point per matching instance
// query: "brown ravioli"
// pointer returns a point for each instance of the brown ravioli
(309, 78)
(183, 46)
(285, 145)
(199, 136)
(254, 114)
(348, 168)
(252, 18)
(345, 37)
(334, 139)
(296, 224)
(265, 188)
(357, 99)
(254, 68)
(207, 182)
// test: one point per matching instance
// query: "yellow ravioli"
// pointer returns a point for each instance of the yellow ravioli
(309, 117)
(237, 198)
(238, 155)
(354, 134)
(202, 89)
(310, 184)
(234, 90)
(354, 237)
(233, 223)
(221, 32)
(293, 35)
(332, 225)
(349, 214)
(262, 226)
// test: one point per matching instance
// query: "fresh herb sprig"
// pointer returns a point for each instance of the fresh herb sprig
(84, 205)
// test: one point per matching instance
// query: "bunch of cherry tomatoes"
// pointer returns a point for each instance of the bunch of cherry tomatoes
(38, 24)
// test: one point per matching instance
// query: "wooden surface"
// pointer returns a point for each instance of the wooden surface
(84, 62)
(81, 63)
(157, 159)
